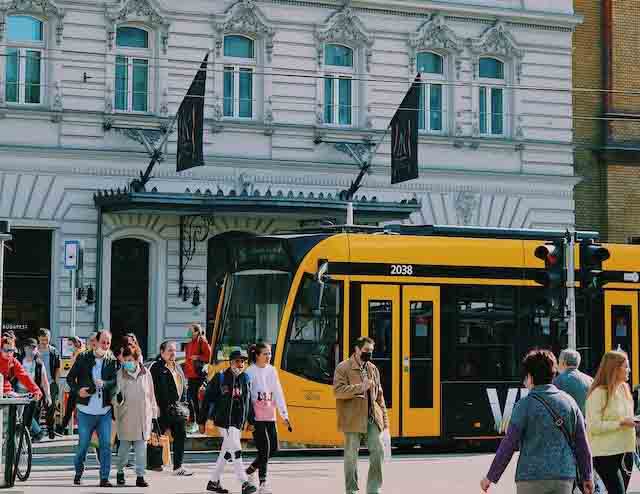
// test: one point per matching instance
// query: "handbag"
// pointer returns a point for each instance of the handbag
(559, 422)
(178, 411)
(158, 448)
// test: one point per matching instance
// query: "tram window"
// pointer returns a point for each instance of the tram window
(253, 305)
(313, 348)
(381, 332)
(421, 350)
(486, 333)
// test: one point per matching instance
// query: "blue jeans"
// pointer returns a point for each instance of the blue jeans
(86, 425)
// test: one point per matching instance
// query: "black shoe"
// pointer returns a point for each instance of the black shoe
(60, 429)
(120, 478)
(77, 479)
(216, 487)
(140, 482)
(105, 483)
(52, 434)
(248, 488)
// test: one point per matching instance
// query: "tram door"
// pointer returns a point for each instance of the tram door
(621, 327)
(404, 322)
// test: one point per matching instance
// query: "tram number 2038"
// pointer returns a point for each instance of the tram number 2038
(401, 269)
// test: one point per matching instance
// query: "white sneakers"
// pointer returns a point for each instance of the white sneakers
(182, 472)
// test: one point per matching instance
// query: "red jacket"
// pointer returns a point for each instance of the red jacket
(11, 368)
(199, 347)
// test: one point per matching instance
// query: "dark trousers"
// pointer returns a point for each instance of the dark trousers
(71, 405)
(50, 412)
(265, 435)
(192, 396)
(179, 434)
(615, 471)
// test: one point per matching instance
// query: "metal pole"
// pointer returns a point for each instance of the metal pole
(571, 290)
(3, 447)
(73, 302)
(350, 213)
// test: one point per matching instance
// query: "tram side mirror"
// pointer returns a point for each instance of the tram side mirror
(322, 277)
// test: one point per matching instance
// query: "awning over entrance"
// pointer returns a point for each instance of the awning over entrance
(281, 203)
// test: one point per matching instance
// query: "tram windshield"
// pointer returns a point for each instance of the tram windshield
(252, 309)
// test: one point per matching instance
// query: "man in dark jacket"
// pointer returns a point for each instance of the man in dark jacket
(93, 379)
(51, 359)
(227, 402)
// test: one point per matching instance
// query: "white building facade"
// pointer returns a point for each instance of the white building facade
(298, 92)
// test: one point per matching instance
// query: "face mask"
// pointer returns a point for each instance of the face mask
(99, 352)
(365, 356)
(190, 333)
(28, 352)
(129, 366)
(236, 371)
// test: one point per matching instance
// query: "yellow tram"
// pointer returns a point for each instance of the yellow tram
(452, 310)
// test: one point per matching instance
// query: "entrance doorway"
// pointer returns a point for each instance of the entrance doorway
(130, 291)
(27, 283)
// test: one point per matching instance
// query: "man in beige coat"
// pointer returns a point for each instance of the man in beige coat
(361, 412)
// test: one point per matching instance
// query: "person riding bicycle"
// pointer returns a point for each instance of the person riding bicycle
(11, 369)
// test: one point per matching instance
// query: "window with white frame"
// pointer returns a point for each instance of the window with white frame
(431, 68)
(133, 58)
(338, 85)
(491, 96)
(24, 60)
(238, 80)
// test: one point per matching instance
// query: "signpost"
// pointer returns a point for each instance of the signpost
(72, 255)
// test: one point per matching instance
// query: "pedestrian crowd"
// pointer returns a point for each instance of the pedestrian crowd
(572, 431)
(569, 425)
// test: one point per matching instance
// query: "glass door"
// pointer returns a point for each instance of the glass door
(420, 361)
(381, 322)
(621, 327)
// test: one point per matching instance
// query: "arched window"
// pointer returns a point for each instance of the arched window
(431, 67)
(23, 63)
(338, 84)
(491, 96)
(132, 69)
(239, 70)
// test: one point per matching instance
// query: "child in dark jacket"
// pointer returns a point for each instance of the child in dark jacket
(227, 402)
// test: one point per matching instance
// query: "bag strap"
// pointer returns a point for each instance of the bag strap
(557, 419)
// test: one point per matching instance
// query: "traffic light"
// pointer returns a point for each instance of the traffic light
(591, 258)
(554, 276)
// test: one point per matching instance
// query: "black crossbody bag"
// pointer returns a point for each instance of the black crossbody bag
(559, 422)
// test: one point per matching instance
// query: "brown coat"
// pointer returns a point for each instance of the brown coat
(134, 415)
(352, 405)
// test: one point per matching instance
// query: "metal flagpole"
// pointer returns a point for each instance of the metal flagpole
(138, 185)
(571, 289)
(355, 185)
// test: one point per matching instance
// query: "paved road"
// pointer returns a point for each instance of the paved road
(435, 474)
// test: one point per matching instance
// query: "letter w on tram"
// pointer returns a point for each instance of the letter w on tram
(452, 312)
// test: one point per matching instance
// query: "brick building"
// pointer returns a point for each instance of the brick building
(607, 123)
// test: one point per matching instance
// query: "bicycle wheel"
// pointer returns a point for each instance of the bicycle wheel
(24, 455)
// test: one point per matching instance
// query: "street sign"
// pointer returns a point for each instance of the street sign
(632, 277)
(71, 254)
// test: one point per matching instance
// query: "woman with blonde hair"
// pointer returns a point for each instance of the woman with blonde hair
(610, 423)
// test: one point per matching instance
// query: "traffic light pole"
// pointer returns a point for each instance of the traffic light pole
(571, 289)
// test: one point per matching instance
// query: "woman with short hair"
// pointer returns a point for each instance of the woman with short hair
(547, 462)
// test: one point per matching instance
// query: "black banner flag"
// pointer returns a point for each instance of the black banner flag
(191, 122)
(404, 137)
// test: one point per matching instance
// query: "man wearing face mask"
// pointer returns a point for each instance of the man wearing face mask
(93, 378)
(228, 403)
(34, 366)
(361, 413)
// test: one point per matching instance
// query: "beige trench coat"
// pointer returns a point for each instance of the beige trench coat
(135, 414)
(352, 404)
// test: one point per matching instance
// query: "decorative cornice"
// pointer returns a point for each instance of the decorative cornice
(498, 41)
(142, 11)
(434, 34)
(245, 17)
(345, 27)
(46, 9)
